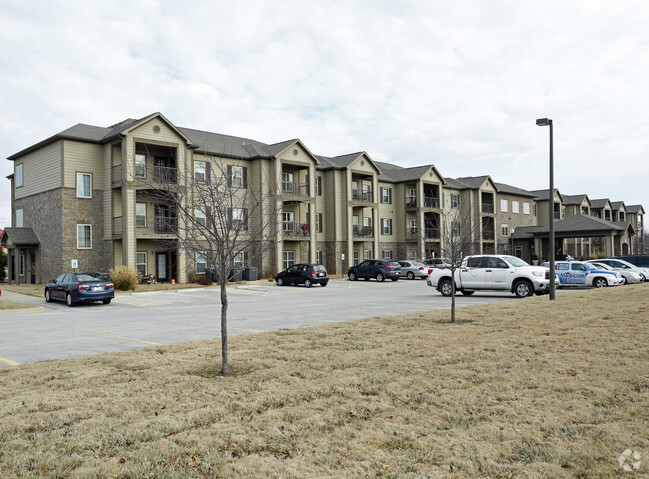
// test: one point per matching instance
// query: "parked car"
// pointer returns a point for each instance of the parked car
(302, 273)
(628, 276)
(380, 269)
(492, 272)
(78, 287)
(620, 264)
(579, 273)
(438, 262)
(640, 260)
(414, 269)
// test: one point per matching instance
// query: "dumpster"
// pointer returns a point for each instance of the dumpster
(236, 274)
(250, 274)
(212, 274)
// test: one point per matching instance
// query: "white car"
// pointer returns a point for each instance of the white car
(578, 273)
(621, 265)
(628, 276)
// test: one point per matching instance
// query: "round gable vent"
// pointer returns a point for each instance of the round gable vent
(156, 129)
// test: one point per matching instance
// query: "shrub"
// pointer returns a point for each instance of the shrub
(125, 278)
(199, 279)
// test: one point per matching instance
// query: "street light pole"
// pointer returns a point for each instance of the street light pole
(548, 122)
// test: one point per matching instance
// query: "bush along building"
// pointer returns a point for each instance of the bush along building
(91, 197)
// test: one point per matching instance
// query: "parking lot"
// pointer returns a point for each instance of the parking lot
(152, 319)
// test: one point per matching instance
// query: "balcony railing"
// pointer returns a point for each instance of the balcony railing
(488, 235)
(165, 174)
(363, 231)
(148, 225)
(488, 208)
(411, 201)
(363, 196)
(431, 202)
(431, 233)
(295, 188)
(295, 230)
(165, 224)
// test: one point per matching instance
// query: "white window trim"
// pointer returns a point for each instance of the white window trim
(200, 258)
(136, 215)
(504, 230)
(144, 254)
(140, 156)
(80, 185)
(515, 207)
(21, 263)
(503, 206)
(238, 177)
(197, 171)
(19, 218)
(526, 208)
(78, 227)
(286, 259)
(200, 217)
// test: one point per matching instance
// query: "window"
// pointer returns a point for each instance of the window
(367, 222)
(386, 195)
(514, 206)
(412, 227)
(455, 228)
(563, 213)
(140, 262)
(140, 166)
(199, 172)
(84, 185)
(289, 259)
(387, 254)
(504, 230)
(318, 257)
(238, 176)
(366, 254)
(526, 208)
(19, 218)
(413, 254)
(199, 217)
(240, 259)
(455, 201)
(288, 221)
(21, 263)
(19, 175)
(518, 251)
(318, 185)
(84, 236)
(239, 219)
(356, 257)
(355, 224)
(288, 184)
(140, 215)
(386, 226)
(534, 209)
(318, 222)
(503, 206)
(354, 189)
(200, 261)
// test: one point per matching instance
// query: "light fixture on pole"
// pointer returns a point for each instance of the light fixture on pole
(548, 122)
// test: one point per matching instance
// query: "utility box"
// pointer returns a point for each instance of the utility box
(250, 274)
(236, 274)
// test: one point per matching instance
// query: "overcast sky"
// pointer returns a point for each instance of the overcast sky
(458, 84)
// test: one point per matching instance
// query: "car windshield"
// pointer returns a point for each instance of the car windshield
(515, 261)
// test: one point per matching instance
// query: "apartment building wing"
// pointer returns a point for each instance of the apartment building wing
(635, 215)
(576, 204)
(515, 208)
(601, 208)
(543, 206)
(618, 211)
(410, 211)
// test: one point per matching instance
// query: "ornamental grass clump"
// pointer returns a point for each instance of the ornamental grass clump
(125, 278)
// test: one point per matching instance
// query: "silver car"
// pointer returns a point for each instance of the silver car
(413, 269)
(623, 267)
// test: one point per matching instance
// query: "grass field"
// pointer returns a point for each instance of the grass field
(521, 388)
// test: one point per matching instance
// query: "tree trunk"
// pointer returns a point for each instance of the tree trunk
(225, 366)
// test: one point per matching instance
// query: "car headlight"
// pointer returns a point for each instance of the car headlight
(539, 274)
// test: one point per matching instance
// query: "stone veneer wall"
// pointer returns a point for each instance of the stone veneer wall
(42, 213)
(84, 211)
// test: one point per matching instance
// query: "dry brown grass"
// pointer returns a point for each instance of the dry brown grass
(4, 304)
(521, 388)
(39, 289)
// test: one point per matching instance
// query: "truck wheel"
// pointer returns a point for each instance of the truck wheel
(523, 288)
(467, 293)
(599, 282)
(445, 287)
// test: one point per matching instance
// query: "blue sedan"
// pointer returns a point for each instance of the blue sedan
(75, 288)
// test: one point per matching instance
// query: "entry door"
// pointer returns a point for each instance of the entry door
(161, 262)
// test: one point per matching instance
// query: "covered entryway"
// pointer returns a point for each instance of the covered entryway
(22, 250)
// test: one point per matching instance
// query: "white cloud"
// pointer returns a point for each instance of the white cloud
(457, 84)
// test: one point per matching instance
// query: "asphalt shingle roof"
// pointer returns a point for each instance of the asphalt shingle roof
(19, 237)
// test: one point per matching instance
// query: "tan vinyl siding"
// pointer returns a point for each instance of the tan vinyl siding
(41, 170)
(81, 157)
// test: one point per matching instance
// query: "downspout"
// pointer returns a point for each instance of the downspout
(124, 242)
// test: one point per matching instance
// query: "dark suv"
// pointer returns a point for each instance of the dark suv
(306, 274)
(375, 268)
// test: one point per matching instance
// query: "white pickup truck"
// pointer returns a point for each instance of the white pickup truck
(493, 272)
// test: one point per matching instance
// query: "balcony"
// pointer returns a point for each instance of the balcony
(431, 233)
(293, 188)
(296, 231)
(363, 231)
(412, 233)
(488, 235)
(488, 208)
(411, 201)
(366, 196)
(431, 202)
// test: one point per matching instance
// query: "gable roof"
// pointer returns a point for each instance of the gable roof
(635, 209)
(513, 190)
(469, 182)
(616, 205)
(343, 161)
(599, 203)
(544, 195)
(12, 237)
(414, 173)
(575, 199)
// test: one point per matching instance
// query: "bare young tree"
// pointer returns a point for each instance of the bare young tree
(459, 237)
(219, 221)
